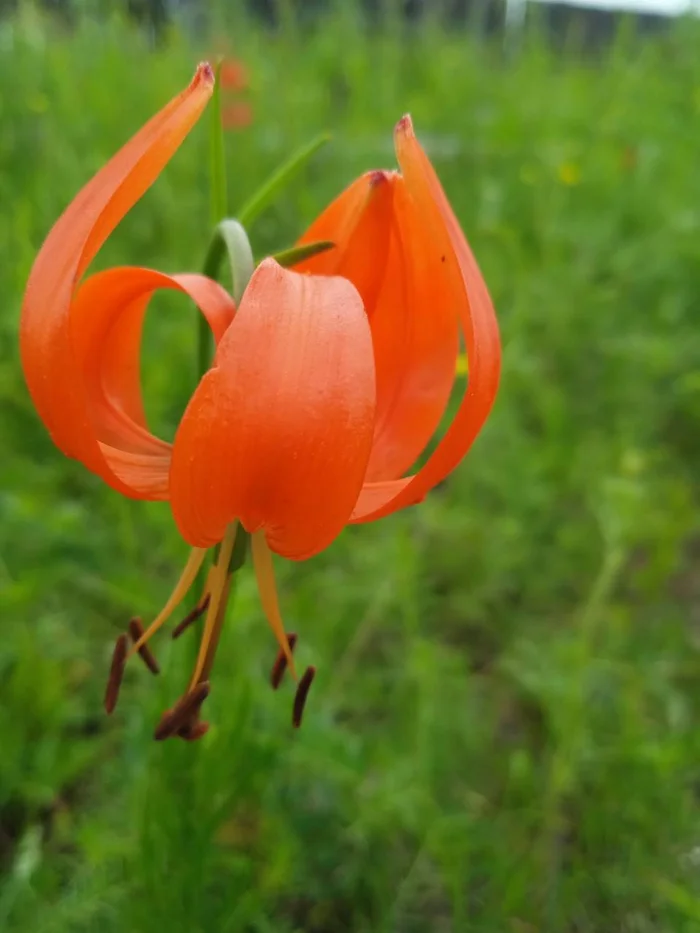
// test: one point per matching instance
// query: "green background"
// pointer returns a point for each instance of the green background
(503, 733)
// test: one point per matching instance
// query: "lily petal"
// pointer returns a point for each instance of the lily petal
(467, 289)
(278, 432)
(46, 335)
(386, 249)
(359, 223)
(415, 332)
(106, 319)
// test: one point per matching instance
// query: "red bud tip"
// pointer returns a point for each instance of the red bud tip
(378, 177)
(301, 695)
(203, 75)
(404, 126)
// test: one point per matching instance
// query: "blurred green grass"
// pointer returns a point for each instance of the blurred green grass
(503, 735)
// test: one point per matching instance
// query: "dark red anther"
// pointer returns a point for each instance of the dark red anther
(136, 630)
(191, 617)
(183, 713)
(192, 731)
(116, 672)
(301, 695)
(280, 665)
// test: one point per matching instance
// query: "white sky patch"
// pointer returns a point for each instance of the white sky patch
(659, 7)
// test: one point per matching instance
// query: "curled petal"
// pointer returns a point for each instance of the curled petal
(106, 319)
(278, 433)
(46, 334)
(467, 289)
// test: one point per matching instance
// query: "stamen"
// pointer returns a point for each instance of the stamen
(136, 631)
(191, 617)
(183, 712)
(116, 672)
(216, 629)
(301, 695)
(194, 562)
(217, 590)
(265, 573)
(193, 731)
(280, 665)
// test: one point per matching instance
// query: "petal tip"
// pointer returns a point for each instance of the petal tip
(377, 178)
(405, 126)
(203, 75)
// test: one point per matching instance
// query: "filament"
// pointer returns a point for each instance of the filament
(194, 562)
(265, 574)
(217, 583)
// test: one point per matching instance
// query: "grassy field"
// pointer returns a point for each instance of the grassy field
(503, 736)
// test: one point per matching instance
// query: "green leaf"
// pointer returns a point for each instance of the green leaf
(265, 195)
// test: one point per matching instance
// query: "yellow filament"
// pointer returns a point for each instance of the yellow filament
(194, 562)
(207, 584)
(265, 574)
(217, 587)
(216, 629)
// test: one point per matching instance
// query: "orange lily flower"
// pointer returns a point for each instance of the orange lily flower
(326, 385)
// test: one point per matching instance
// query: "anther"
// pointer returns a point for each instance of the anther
(301, 695)
(191, 617)
(280, 665)
(116, 672)
(190, 732)
(183, 712)
(136, 630)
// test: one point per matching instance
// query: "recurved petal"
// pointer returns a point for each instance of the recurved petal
(46, 338)
(279, 431)
(359, 222)
(415, 331)
(106, 318)
(468, 291)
